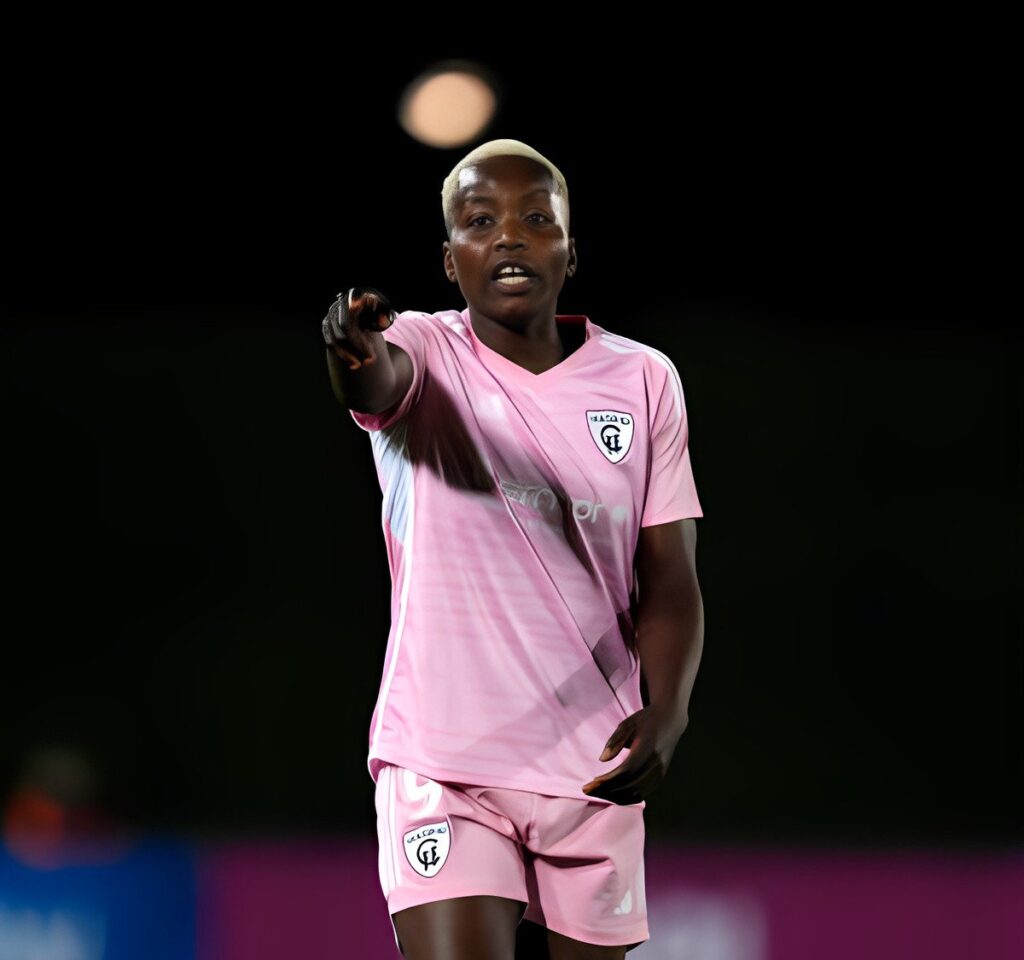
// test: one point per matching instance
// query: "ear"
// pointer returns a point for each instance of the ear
(449, 264)
(573, 264)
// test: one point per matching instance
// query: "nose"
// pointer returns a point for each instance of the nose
(509, 235)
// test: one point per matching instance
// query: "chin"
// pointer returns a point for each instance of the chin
(528, 300)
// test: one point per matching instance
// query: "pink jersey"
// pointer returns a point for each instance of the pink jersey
(512, 504)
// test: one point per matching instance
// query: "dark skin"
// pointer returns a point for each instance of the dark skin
(670, 640)
(508, 207)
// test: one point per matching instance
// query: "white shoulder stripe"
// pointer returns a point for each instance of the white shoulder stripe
(620, 344)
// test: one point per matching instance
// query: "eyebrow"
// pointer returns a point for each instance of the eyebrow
(482, 198)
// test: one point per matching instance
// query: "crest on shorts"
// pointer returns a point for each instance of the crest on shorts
(612, 431)
(427, 846)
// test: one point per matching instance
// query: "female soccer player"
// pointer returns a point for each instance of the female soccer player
(538, 512)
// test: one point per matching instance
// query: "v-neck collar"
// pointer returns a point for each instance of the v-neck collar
(503, 367)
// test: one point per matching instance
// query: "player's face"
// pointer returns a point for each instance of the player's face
(508, 210)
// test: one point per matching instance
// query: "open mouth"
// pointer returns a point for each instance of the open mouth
(518, 281)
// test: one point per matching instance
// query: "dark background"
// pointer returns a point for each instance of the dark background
(197, 588)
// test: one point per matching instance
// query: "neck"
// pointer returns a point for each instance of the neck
(535, 342)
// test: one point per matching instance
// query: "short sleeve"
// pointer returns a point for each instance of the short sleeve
(671, 491)
(408, 331)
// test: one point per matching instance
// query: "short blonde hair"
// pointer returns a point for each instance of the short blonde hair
(494, 148)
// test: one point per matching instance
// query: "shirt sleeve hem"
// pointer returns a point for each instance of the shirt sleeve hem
(669, 515)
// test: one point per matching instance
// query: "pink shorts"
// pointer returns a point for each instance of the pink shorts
(577, 865)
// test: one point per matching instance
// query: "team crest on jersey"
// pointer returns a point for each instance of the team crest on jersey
(612, 431)
(427, 846)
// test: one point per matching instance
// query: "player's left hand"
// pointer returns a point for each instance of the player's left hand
(651, 735)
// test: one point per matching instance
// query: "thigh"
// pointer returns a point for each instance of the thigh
(440, 847)
(585, 877)
(461, 928)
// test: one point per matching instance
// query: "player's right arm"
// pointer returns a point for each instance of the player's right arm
(368, 373)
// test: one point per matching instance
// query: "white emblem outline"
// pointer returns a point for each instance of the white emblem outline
(437, 836)
(624, 431)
